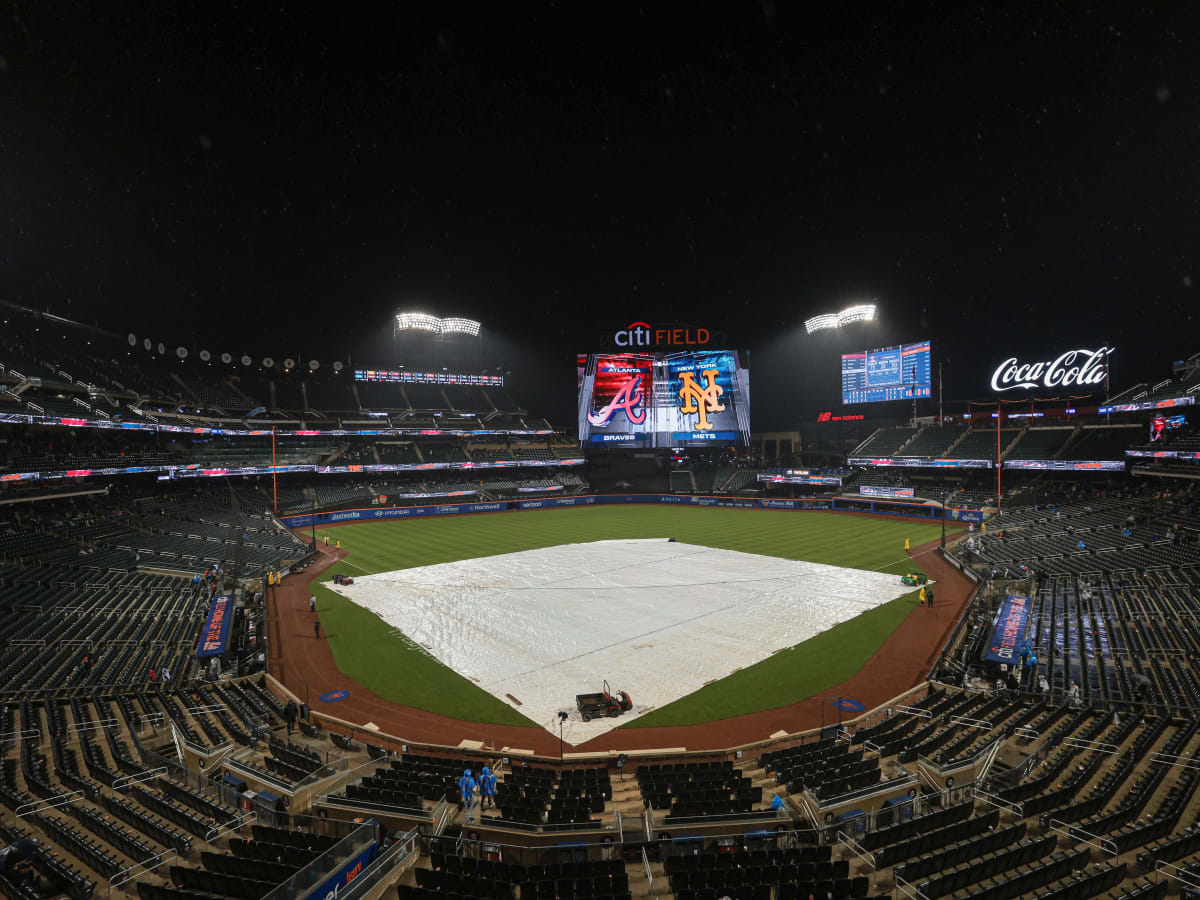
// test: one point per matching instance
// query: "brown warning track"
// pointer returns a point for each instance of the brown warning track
(306, 665)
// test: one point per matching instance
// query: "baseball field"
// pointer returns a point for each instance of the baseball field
(384, 659)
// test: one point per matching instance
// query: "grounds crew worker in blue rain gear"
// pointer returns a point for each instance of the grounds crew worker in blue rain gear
(466, 787)
(487, 788)
(777, 803)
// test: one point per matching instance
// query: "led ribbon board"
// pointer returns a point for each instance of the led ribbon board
(875, 490)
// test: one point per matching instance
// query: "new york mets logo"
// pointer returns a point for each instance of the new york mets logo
(702, 400)
(629, 398)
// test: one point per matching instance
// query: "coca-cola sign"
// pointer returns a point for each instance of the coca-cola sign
(1072, 369)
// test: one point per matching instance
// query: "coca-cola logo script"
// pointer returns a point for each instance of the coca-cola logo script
(1075, 368)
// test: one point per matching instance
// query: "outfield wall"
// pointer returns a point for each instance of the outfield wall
(831, 504)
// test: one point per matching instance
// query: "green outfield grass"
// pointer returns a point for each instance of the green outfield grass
(380, 657)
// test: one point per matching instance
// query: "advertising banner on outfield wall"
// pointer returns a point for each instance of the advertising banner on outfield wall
(195, 470)
(1009, 631)
(900, 508)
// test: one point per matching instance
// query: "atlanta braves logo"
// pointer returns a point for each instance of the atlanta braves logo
(627, 398)
(701, 400)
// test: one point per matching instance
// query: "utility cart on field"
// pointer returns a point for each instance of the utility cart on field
(606, 703)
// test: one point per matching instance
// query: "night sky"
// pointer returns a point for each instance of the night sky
(276, 182)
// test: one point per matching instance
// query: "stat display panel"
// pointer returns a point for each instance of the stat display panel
(890, 373)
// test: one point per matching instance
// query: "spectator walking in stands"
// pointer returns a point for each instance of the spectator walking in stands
(1073, 695)
(317, 629)
(312, 603)
(166, 674)
(1043, 684)
(487, 788)
(153, 676)
(289, 715)
(466, 787)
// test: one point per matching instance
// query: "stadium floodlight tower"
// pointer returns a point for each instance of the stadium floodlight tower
(420, 339)
(827, 337)
(863, 312)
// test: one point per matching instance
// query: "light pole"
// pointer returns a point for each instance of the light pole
(562, 717)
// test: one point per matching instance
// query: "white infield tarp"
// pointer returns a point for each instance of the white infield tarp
(656, 618)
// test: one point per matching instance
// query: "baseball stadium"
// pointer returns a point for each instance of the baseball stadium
(421, 570)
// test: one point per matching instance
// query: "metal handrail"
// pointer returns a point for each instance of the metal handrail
(207, 708)
(1017, 809)
(977, 724)
(146, 865)
(1171, 759)
(27, 734)
(1073, 833)
(812, 813)
(858, 850)
(908, 889)
(914, 711)
(92, 725)
(402, 850)
(876, 788)
(52, 803)
(148, 775)
(410, 812)
(1098, 746)
(1183, 876)
(215, 833)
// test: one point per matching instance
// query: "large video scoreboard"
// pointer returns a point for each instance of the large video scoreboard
(893, 373)
(687, 399)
